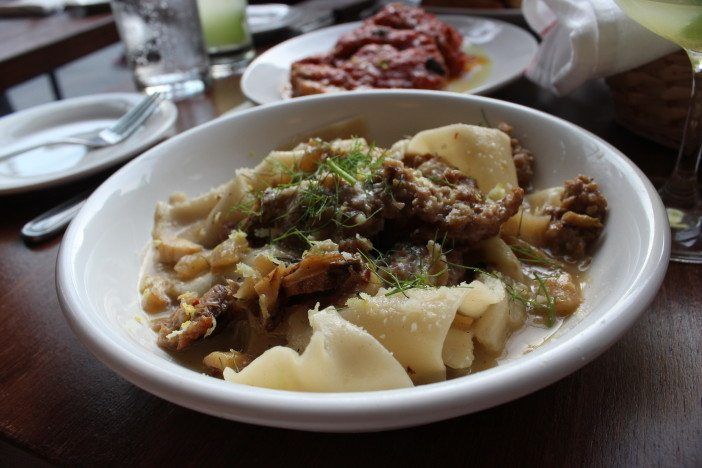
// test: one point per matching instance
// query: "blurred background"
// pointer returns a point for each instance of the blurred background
(39, 23)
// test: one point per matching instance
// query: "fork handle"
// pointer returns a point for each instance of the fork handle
(53, 221)
(65, 141)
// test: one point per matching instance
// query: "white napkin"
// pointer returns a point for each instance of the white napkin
(583, 39)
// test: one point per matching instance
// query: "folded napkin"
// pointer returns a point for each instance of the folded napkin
(30, 7)
(583, 39)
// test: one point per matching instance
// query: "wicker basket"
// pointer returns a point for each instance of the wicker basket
(652, 100)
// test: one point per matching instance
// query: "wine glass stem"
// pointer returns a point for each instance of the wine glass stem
(680, 190)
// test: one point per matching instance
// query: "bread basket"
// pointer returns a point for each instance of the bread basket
(652, 100)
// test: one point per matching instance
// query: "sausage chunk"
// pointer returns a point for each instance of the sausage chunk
(450, 206)
(192, 322)
(578, 222)
(522, 157)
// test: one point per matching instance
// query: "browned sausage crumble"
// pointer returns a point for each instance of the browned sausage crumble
(522, 157)
(577, 222)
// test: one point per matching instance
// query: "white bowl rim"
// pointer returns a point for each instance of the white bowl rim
(378, 409)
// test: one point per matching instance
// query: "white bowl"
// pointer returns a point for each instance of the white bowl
(99, 260)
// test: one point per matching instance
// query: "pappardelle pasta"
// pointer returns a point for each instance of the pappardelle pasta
(340, 266)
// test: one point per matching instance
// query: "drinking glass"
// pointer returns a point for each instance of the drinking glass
(164, 45)
(227, 35)
(680, 21)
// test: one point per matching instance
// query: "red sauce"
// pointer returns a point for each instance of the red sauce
(399, 47)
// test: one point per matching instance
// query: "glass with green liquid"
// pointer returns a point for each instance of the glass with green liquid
(227, 35)
(680, 21)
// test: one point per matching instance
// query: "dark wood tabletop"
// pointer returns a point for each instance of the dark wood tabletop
(638, 404)
(33, 46)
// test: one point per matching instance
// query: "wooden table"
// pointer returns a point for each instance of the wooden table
(33, 46)
(638, 404)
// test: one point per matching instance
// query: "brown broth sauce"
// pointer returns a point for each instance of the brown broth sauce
(225, 341)
(533, 334)
(535, 331)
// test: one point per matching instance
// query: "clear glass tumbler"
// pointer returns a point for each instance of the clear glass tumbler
(164, 45)
(227, 35)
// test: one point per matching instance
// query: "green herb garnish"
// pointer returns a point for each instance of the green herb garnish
(533, 256)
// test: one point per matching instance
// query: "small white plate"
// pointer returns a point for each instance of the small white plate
(508, 48)
(504, 13)
(54, 165)
(270, 17)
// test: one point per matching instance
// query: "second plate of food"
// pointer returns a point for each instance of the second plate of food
(497, 53)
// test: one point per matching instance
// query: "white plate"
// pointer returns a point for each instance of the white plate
(49, 166)
(506, 13)
(99, 260)
(509, 49)
(270, 17)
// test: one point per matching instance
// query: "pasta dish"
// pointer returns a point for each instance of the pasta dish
(342, 266)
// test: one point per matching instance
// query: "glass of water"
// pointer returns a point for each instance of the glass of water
(227, 35)
(164, 45)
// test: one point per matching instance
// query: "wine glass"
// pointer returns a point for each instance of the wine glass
(680, 21)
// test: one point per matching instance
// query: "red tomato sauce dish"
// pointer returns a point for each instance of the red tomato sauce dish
(399, 47)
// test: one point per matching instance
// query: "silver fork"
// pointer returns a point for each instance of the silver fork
(120, 131)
